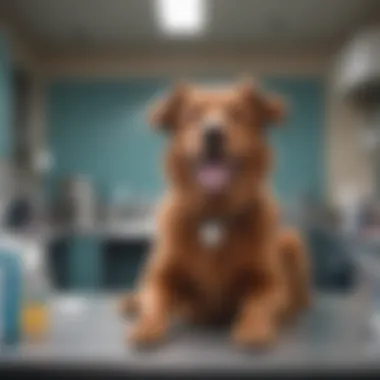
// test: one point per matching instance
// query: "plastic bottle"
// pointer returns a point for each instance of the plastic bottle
(36, 295)
(10, 291)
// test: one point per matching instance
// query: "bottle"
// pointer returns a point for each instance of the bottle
(10, 291)
(36, 295)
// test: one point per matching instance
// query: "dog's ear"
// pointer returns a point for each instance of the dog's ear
(275, 109)
(271, 108)
(164, 113)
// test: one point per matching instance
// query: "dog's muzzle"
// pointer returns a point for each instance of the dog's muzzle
(213, 143)
(213, 171)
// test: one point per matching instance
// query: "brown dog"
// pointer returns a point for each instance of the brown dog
(220, 254)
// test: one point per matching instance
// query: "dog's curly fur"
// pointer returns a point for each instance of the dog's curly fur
(259, 276)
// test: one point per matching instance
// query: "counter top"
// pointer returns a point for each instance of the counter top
(87, 332)
(139, 228)
(129, 229)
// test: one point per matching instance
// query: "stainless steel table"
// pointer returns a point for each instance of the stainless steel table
(86, 331)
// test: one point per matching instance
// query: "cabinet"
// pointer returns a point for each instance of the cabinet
(91, 262)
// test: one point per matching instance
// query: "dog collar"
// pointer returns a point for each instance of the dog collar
(212, 230)
(211, 233)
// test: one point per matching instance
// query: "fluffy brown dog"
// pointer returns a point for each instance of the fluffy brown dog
(220, 254)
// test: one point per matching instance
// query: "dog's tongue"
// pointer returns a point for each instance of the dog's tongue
(213, 177)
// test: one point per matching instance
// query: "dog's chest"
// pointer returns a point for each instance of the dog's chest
(219, 261)
(216, 255)
(216, 285)
(216, 237)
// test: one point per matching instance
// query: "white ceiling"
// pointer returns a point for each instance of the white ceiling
(275, 23)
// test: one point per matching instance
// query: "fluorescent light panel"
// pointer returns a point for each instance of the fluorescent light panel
(181, 17)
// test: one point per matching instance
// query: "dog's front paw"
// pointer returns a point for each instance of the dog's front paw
(128, 305)
(254, 335)
(146, 333)
(305, 301)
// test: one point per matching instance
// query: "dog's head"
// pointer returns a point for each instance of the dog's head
(218, 146)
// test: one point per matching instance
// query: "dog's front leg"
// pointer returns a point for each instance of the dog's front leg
(257, 320)
(156, 304)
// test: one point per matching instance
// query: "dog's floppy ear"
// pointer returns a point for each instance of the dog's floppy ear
(271, 108)
(164, 112)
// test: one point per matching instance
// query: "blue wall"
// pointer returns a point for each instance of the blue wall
(99, 129)
(299, 143)
(5, 97)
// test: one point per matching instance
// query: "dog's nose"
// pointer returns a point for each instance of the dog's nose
(213, 141)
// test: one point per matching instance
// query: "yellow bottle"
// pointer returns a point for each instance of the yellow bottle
(35, 315)
(35, 320)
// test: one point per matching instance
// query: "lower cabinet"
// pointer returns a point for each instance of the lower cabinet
(121, 263)
(89, 262)
(58, 263)
(84, 256)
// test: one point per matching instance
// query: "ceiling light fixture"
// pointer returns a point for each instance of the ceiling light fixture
(181, 17)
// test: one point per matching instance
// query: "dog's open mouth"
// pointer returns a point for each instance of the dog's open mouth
(213, 176)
